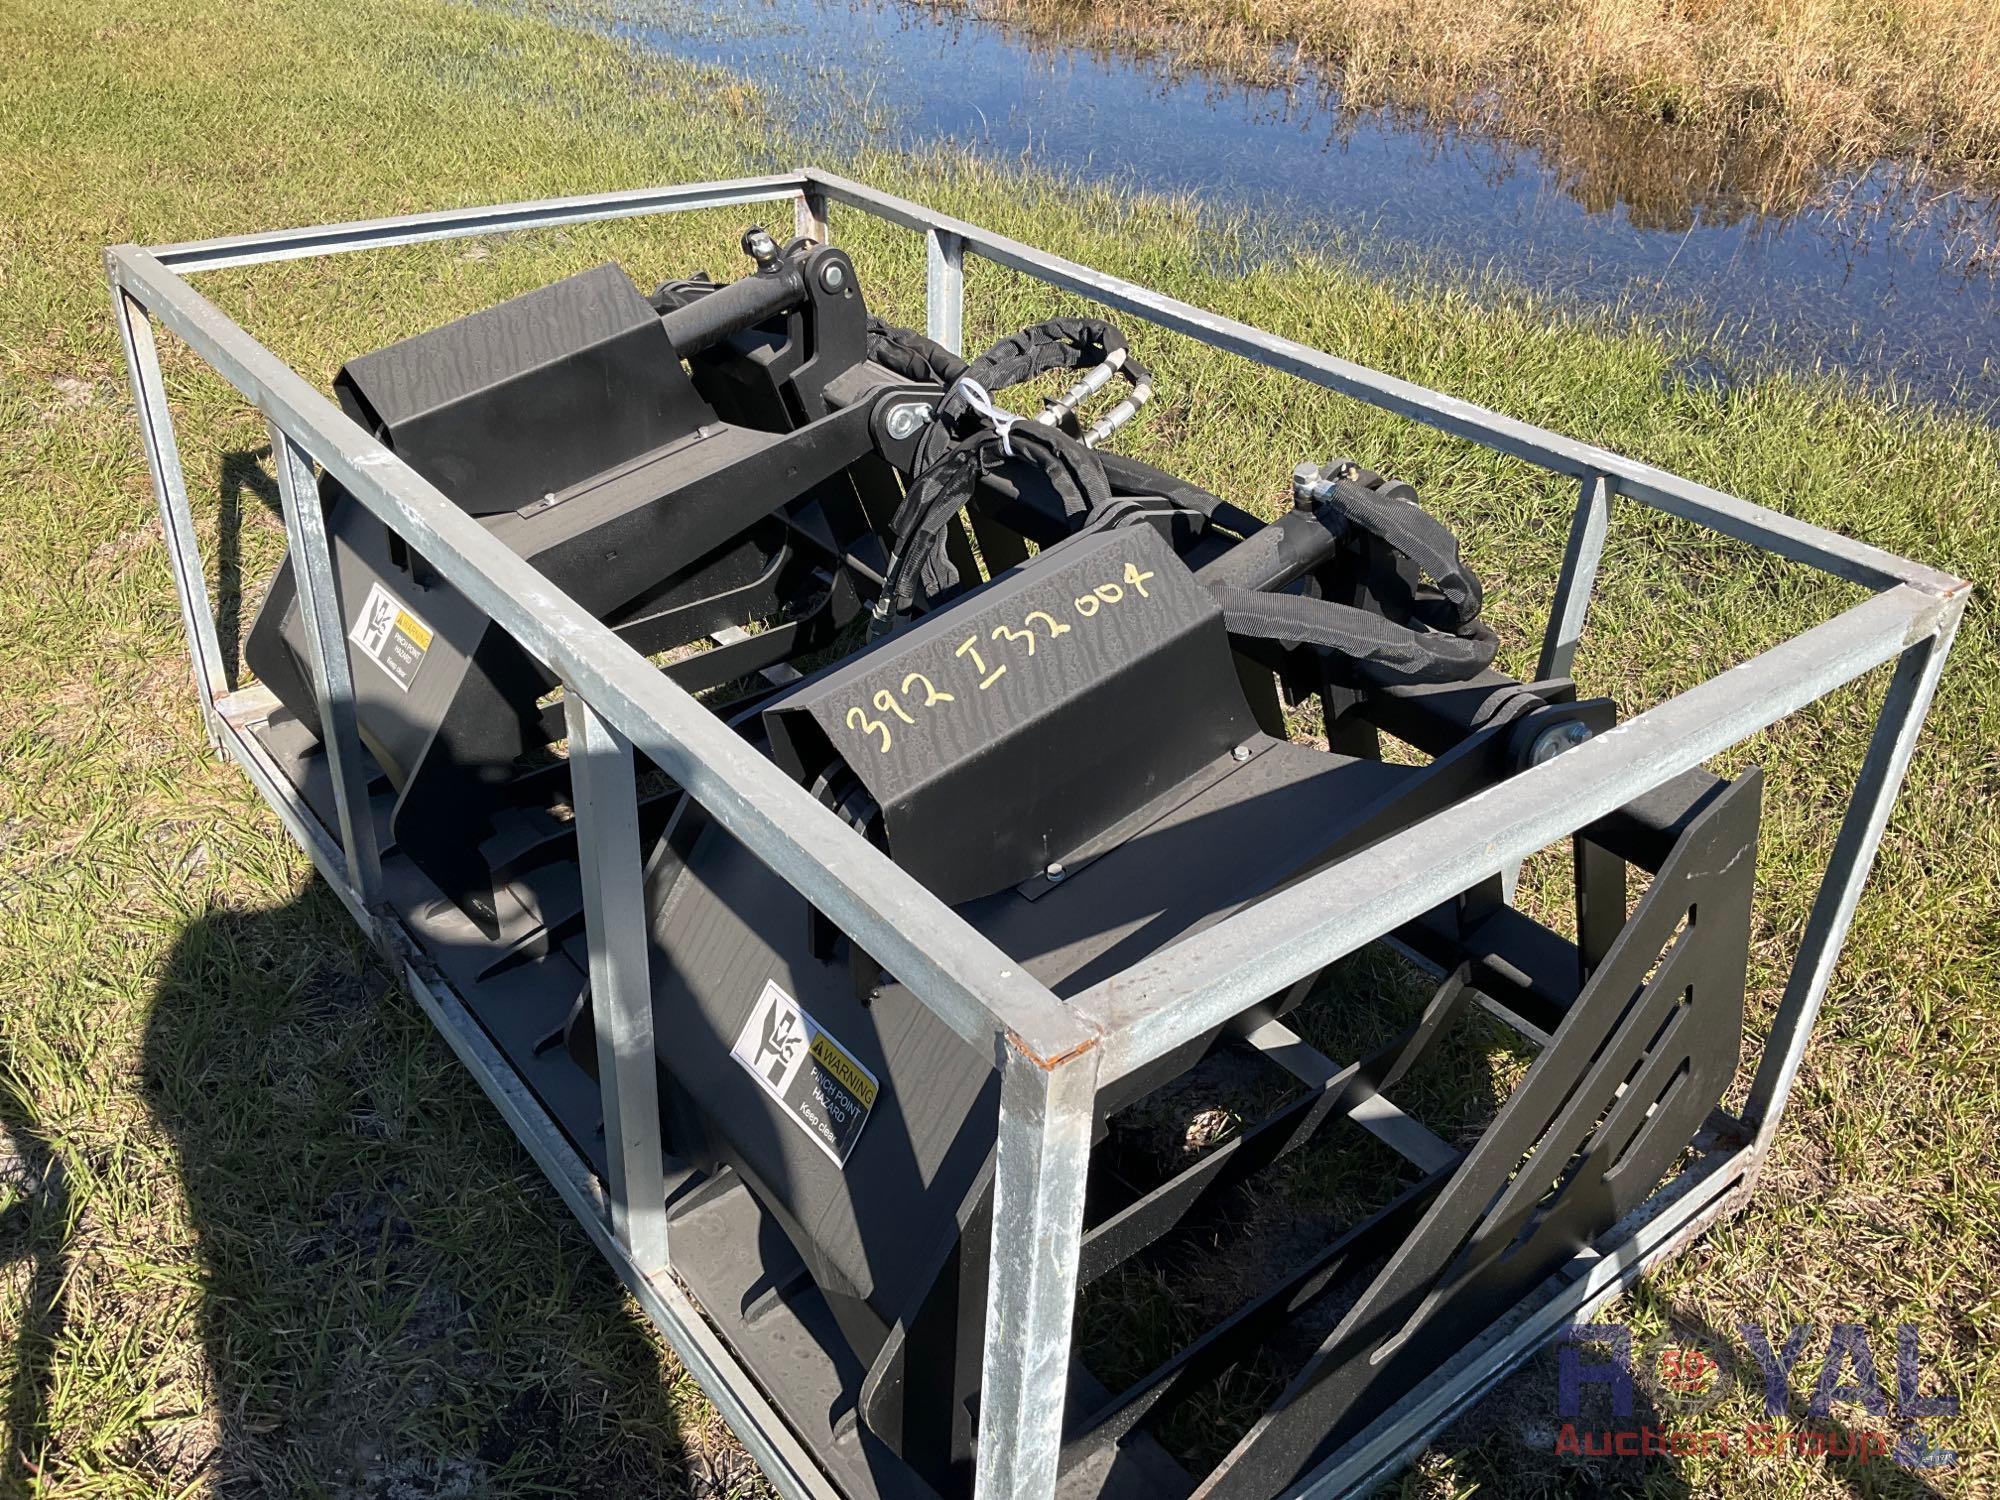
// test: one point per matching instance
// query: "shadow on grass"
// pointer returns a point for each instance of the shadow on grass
(35, 1223)
(393, 1304)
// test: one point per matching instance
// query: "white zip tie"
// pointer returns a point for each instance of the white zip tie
(976, 397)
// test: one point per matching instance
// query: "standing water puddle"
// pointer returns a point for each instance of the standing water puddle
(1901, 285)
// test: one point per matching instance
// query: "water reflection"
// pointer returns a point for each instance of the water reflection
(1874, 273)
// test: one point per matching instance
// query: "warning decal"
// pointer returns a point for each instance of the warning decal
(817, 1080)
(394, 639)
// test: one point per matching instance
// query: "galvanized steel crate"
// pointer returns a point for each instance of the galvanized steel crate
(1054, 1055)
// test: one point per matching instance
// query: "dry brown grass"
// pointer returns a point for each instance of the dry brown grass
(1797, 86)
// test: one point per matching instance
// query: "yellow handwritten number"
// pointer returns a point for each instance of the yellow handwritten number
(886, 701)
(1137, 579)
(856, 719)
(1002, 632)
(1056, 627)
(931, 695)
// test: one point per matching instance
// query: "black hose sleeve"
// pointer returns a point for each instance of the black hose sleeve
(1417, 535)
(911, 355)
(1058, 344)
(1381, 650)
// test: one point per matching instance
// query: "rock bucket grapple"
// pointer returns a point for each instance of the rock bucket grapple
(829, 1000)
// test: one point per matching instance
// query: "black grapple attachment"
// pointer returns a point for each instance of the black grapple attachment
(1059, 688)
(679, 473)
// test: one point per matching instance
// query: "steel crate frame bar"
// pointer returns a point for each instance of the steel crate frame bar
(1053, 1056)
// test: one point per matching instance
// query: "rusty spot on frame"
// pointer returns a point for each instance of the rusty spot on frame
(1050, 1064)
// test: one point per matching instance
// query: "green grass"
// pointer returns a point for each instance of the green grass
(259, 1234)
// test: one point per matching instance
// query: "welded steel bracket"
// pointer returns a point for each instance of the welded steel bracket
(1054, 1056)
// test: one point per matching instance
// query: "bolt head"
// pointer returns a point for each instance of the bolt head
(833, 276)
(1240, 754)
(1309, 486)
(1554, 740)
(759, 246)
(905, 420)
(1055, 871)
